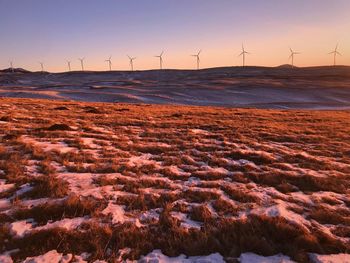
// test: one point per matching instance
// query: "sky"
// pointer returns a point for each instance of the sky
(52, 32)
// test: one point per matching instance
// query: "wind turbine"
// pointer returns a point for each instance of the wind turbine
(11, 66)
(131, 62)
(82, 63)
(292, 54)
(160, 60)
(335, 53)
(197, 57)
(243, 53)
(42, 66)
(109, 62)
(68, 64)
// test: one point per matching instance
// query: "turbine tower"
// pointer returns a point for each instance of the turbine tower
(292, 54)
(197, 57)
(82, 63)
(109, 62)
(131, 62)
(160, 60)
(335, 53)
(243, 53)
(11, 66)
(42, 66)
(68, 64)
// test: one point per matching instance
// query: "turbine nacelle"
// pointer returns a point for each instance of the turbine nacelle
(131, 59)
(243, 53)
(198, 58)
(292, 54)
(197, 55)
(335, 53)
(42, 66)
(68, 64)
(109, 60)
(160, 59)
(82, 63)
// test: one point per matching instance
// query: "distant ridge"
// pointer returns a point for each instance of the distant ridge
(286, 66)
(213, 69)
(15, 70)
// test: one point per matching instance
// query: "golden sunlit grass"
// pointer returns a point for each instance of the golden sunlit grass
(191, 180)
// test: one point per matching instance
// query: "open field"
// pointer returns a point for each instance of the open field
(118, 181)
(260, 87)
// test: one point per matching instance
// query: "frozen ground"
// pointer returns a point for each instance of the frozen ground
(158, 183)
(278, 88)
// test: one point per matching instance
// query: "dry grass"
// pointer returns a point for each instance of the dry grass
(215, 165)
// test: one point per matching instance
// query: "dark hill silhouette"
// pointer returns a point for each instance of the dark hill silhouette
(15, 70)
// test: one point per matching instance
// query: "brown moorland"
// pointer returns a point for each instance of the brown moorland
(100, 177)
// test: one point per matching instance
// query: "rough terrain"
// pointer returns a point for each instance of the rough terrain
(111, 181)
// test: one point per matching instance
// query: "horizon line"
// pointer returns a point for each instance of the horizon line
(282, 66)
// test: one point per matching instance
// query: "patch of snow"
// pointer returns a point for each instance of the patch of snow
(20, 228)
(23, 227)
(199, 131)
(121, 253)
(280, 210)
(254, 258)
(150, 215)
(100, 130)
(192, 181)
(23, 189)
(50, 257)
(144, 159)
(89, 142)
(41, 201)
(82, 258)
(66, 223)
(117, 212)
(49, 146)
(82, 184)
(185, 221)
(5, 187)
(4, 258)
(118, 215)
(156, 256)
(4, 204)
(32, 169)
(334, 258)
(156, 144)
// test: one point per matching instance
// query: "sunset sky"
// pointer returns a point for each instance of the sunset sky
(53, 31)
